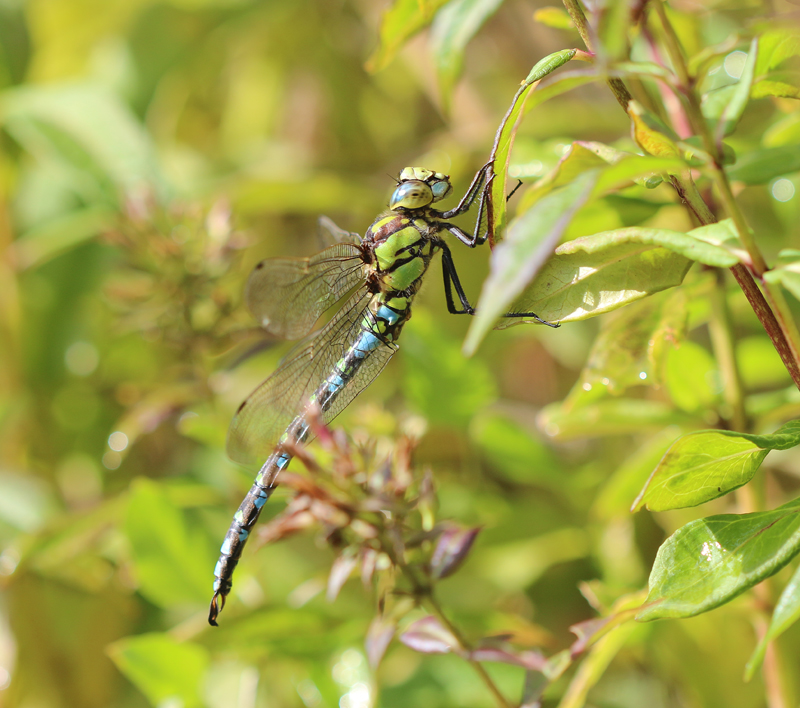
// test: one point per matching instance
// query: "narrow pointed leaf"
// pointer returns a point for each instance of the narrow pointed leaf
(504, 140)
(341, 569)
(399, 23)
(708, 562)
(451, 551)
(741, 95)
(452, 29)
(705, 465)
(530, 242)
(379, 635)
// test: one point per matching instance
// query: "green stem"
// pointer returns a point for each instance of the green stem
(575, 11)
(774, 315)
(434, 604)
(422, 589)
(722, 341)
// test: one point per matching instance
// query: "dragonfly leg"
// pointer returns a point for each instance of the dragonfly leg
(451, 281)
(475, 188)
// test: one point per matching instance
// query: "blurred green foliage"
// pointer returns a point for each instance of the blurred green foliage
(153, 152)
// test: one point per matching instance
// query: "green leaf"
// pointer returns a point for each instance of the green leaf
(761, 166)
(55, 236)
(788, 275)
(786, 613)
(170, 563)
(611, 416)
(631, 340)
(504, 139)
(708, 562)
(162, 668)
(692, 378)
(740, 96)
(439, 391)
(555, 17)
(399, 23)
(599, 273)
(777, 45)
(88, 132)
(516, 260)
(452, 29)
(767, 88)
(705, 465)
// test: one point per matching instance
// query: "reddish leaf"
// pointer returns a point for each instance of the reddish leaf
(380, 633)
(451, 550)
(429, 636)
(340, 572)
(527, 659)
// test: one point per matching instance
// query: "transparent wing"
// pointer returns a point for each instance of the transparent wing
(268, 411)
(288, 295)
(330, 233)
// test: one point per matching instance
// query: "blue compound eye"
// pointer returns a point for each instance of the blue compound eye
(441, 189)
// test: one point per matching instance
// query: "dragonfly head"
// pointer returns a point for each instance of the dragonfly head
(418, 187)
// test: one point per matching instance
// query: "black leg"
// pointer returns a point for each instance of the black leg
(451, 281)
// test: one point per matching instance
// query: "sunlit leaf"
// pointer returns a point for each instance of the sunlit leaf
(600, 273)
(776, 46)
(163, 669)
(705, 465)
(708, 562)
(650, 133)
(766, 88)
(515, 261)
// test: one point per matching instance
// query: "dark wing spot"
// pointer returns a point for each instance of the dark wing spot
(260, 266)
(240, 408)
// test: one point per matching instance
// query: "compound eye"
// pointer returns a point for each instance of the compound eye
(441, 189)
(411, 195)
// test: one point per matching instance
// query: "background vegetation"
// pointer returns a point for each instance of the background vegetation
(153, 152)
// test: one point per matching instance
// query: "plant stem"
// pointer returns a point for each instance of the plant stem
(774, 316)
(722, 341)
(491, 685)
(422, 589)
(575, 11)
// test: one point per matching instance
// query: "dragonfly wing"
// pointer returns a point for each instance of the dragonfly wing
(288, 295)
(268, 411)
(331, 233)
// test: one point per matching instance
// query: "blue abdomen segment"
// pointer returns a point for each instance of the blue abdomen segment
(379, 327)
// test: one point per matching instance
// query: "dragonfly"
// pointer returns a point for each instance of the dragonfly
(376, 278)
